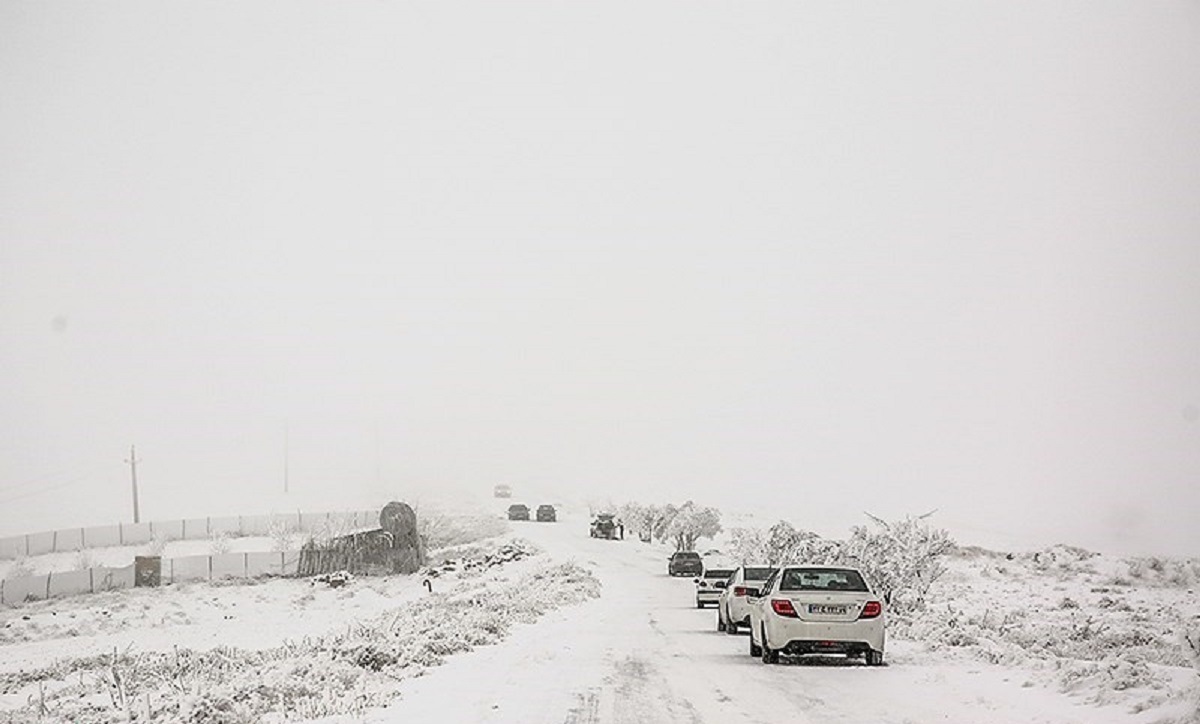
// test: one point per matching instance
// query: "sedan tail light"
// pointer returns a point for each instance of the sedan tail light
(783, 607)
(871, 609)
(739, 590)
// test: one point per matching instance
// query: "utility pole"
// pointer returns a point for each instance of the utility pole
(133, 461)
(285, 459)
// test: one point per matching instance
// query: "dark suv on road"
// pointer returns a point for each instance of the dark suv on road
(517, 511)
(546, 514)
(685, 563)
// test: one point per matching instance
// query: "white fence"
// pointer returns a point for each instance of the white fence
(174, 570)
(125, 534)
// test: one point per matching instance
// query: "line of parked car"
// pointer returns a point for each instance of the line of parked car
(791, 610)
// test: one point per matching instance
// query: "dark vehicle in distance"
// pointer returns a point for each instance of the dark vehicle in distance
(604, 527)
(685, 563)
(518, 511)
(546, 514)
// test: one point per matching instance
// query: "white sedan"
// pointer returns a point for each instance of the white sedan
(733, 609)
(806, 609)
(710, 584)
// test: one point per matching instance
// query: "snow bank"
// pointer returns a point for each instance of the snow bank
(347, 671)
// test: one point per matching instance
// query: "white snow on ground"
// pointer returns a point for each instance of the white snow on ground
(1063, 637)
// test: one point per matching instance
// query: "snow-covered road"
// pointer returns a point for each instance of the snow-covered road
(642, 652)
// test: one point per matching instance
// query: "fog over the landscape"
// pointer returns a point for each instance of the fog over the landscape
(804, 259)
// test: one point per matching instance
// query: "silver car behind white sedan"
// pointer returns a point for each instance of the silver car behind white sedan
(805, 609)
(733, 608)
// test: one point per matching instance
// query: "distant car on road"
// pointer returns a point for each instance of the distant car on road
(546, 514)
(710, 584)
(733, 608)
(806, 609)
(685, 563)
(502, 491)
(518, 511)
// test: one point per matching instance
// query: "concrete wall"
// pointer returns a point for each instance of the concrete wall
(14, 591)
(72, 539)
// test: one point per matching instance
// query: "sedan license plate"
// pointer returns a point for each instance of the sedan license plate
(823, 609)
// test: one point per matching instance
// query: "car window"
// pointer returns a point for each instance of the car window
(822, 579)
(758, 573)
(684, 555)
(721, 573)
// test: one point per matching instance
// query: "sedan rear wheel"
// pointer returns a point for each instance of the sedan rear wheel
(720, 621)
(769, 656)
(874, 658)
(755, 649)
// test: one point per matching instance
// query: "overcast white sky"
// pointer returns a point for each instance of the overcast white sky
(809, 258)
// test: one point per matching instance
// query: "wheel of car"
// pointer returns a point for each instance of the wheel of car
(720, 621)
(731, 628)
(755, 649)
(769, 655)
(874, 658)
(699, 604)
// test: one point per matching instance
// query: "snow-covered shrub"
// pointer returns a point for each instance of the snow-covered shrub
(20, 568)
(218, 543)
(901, 559)
(439, 530)
(157, 544)
(283, 538)
(83, 560)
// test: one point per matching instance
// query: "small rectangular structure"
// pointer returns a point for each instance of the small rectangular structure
(70, 583)
(230, 526)
(110, 579)
(264, 564)
(227, 565)
(23, 588)
(133, 534)
(104, 536)
(147, 571)
(189, 568)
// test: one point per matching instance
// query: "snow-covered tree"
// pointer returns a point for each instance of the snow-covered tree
(638, 519)
(901, 559)
(688, 523)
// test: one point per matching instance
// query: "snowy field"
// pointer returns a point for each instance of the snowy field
(531, 622)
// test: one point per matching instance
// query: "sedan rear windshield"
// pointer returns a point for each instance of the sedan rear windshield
(721, 573)
(758, 574)
(687, 556)
(822, 579)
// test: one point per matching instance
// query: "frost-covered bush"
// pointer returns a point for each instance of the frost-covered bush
(20, 568)
(157, 544)
(439, 530)
(283, 538)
